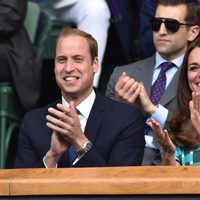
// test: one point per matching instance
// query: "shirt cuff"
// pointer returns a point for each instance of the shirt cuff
(160, 116)
(46, 164)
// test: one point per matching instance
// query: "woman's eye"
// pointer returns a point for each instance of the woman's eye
(193, 68)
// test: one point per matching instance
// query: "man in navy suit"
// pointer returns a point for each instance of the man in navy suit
(84, 128)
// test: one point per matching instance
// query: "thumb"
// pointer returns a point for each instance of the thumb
(123, 74)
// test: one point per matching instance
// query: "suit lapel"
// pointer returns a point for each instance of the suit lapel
(95, 118)
(144, 73)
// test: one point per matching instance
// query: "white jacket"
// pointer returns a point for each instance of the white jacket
(64, 3)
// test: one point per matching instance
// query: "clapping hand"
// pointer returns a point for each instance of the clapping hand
(66, 131)
(126, 89)
(168, 148)
(163, 138)
(194, 106)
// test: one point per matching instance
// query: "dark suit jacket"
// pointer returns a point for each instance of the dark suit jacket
(142, 71)
(116, 131)
(20, 58)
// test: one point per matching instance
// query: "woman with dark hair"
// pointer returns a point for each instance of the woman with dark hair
(185, 123)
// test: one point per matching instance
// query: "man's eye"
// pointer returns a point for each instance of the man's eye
(78, 60)
(61, 60)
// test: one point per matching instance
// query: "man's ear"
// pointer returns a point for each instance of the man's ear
(194, 31)
(95, 64)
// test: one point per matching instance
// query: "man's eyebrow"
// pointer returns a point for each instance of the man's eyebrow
(78, 55)
(60, 56)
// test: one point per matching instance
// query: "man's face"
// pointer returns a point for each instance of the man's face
(74, 69)
(194, 70)
(171, 45)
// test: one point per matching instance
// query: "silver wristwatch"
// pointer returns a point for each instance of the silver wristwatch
(86, 147)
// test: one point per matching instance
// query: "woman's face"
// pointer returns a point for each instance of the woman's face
(194, 70)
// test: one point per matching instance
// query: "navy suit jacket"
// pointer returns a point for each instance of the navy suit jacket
(116, 131)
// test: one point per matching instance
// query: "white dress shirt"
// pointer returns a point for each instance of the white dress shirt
(161, 113)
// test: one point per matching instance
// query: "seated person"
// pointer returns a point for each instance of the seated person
(185, 123)
(84, 124)
(18, 63)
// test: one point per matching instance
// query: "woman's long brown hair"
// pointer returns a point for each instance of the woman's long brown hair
(184, 133)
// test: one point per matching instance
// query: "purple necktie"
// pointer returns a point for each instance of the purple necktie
(158, 88)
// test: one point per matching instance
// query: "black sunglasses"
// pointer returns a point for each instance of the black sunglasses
(172, 25)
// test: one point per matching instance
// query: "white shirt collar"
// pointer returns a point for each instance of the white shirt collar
(85, 106)
(178, 61)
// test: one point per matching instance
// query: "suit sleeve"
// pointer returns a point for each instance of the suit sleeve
(26, 156)
(128, 148)
(110, 89)
(12, 14)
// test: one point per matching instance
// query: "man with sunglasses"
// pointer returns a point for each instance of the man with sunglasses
(176, 23)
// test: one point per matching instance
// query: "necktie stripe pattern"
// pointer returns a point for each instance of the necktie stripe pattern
(159, 85)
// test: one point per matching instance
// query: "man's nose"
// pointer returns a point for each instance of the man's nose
(163, 29)
(69, 66)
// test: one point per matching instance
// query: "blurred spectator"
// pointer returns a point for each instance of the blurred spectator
(92, 17)
(18, 64)
(145, 46)
(126, 26)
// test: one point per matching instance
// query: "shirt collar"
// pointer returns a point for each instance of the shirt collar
(159, 60)
(85, 106)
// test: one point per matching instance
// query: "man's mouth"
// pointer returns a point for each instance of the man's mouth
(71, 78)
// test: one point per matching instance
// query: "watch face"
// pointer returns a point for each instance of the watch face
(86, 147)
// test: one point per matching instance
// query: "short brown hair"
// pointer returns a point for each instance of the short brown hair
(193, 9)
(93, 46)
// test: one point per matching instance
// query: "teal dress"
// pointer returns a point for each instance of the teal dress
(188, 157)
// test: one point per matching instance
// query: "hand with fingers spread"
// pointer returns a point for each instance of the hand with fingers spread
(168, 148)
(127, 89)
(194, 106)
(66, 131)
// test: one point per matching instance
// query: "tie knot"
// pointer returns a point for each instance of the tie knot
(166, 66)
